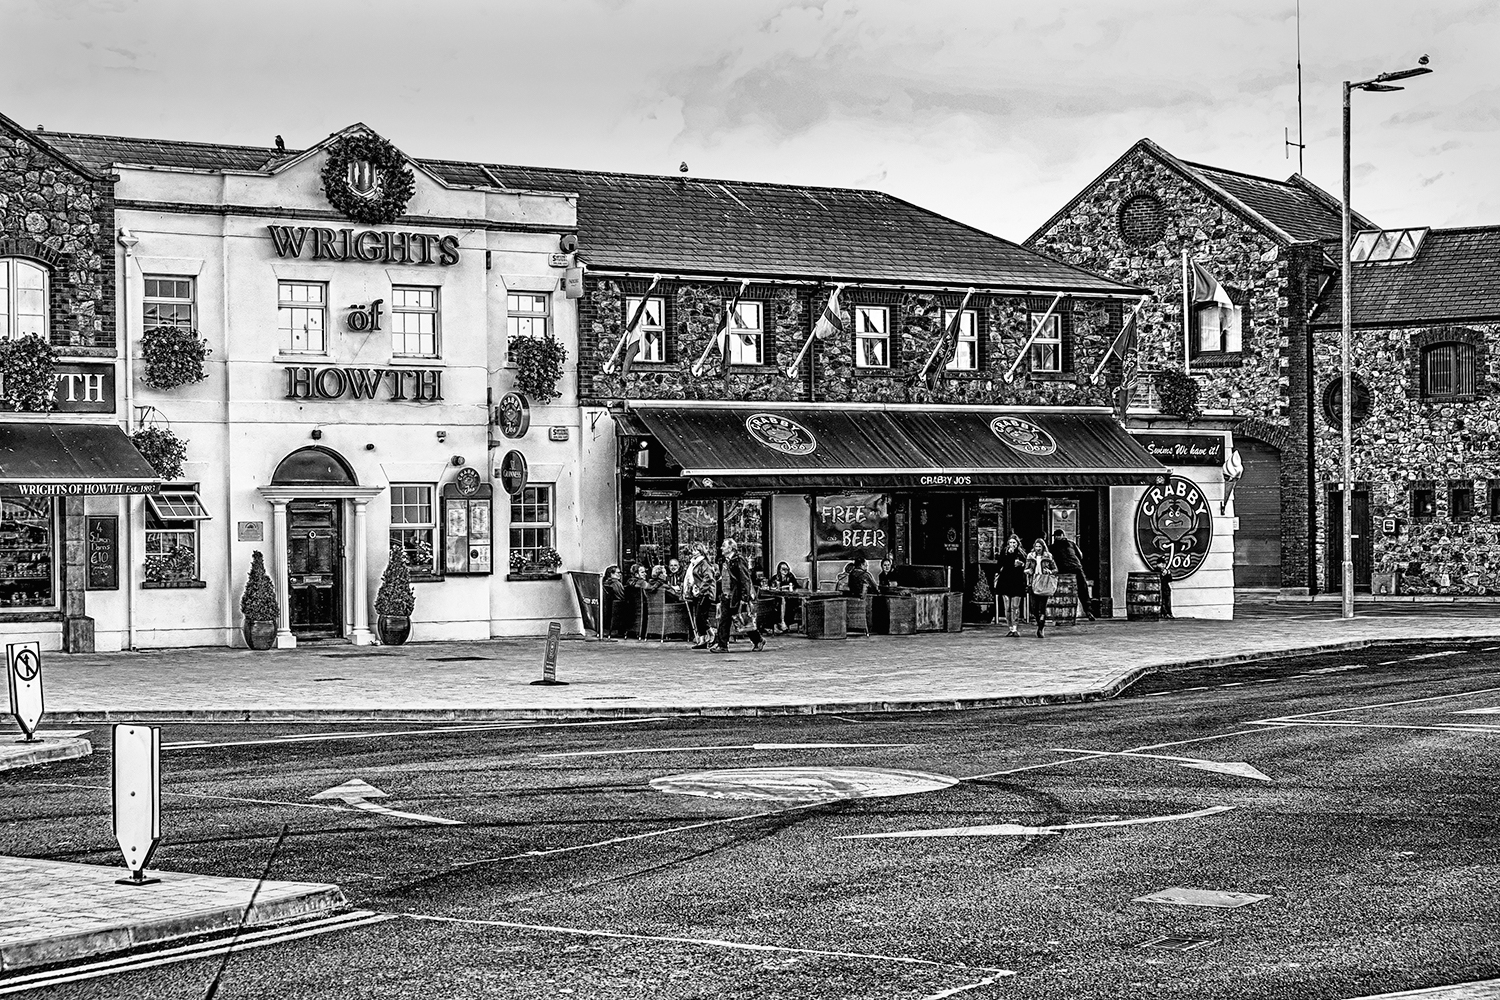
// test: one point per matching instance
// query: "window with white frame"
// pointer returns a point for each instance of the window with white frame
(414, 526)
(1046, 347)
(172, 518)
(531, 521)
(168, 301)
(872, 337)
(23, 298)
(302, 316)
(1216, 327)
(526, 315)
(966, 350)
(747, 334)
(414, 321)
(651, 330)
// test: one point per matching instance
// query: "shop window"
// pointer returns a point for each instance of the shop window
(1423, 502)
(1460, 500)
(744, 521)
(302, 316)
(413, 526)
(168, 301)
(1217, 328)
(414, 321)
(872, 337)
(966, 349)
(747, 334)
(23, 298)
(653, 531)
(1447, 371)
(27, 553)
(172, 518)
(697, 524)
(531, 523)
(1494, 498)
(651, 331)
(1046, 348)
(527, 314)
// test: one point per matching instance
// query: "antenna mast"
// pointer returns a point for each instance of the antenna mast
(1287, 142)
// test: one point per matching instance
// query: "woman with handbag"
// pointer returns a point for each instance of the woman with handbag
(1041, 580)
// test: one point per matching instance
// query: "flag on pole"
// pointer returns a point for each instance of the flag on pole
(720, 340)
(1217, 316)
(1129, 363)
(1206, 288)
(630, 346)
(947, 344)
(828, 324)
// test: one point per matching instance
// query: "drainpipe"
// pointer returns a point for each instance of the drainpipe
(127, 241)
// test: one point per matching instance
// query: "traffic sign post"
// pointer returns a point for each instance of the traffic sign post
(23, 674)
(549, 662)
(137, 797)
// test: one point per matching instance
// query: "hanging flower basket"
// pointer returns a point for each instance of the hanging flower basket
(164, 450)
(539, 366)
(28, 373)
(173, 357)
(1178, 392)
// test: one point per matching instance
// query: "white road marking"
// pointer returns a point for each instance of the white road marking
(196, 795)
(802, 784)
(988, 981)
(1335, 670)
(1489, 649)
(1486, 989)
(260, 938)
(1235, 684)
(1015, 830)
(637, 836)
(1236, 767)
(356, 792)
(706, 943)
(383, 733)
(1479, 711)
(1093, 756)
(1178, 896)
(741, 746)
(1351, 724)
(1429, 656)
(1367, 708)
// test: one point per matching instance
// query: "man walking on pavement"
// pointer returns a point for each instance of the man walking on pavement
(1070, 563)
(738, 593)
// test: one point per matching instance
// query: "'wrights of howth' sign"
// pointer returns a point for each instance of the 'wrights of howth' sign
(369, 245)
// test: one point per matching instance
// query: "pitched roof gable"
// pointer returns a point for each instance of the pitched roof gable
(1455, 277)
(44, 142)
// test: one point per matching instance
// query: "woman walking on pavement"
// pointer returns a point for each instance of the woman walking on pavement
(697, 593)
(1010, 583)
(1041, 580)
(738, 593)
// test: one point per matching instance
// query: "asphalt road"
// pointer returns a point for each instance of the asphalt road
(1375, 842)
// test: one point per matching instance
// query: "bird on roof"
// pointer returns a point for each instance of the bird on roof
(683, 167)
(280, 144)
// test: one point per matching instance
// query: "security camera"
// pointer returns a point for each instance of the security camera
(568, 243)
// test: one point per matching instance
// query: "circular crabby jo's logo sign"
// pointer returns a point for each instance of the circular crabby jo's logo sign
(1023, 435)
(1173, 524)
(780, 434)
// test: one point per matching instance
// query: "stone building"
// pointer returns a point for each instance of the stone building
(1272, 245)
(1426, 429)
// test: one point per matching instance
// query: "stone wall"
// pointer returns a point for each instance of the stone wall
(1408, 440)
(52, 213)
(693, 312)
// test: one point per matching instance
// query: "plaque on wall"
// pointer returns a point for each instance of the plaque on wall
(250, 531)
(103, 533)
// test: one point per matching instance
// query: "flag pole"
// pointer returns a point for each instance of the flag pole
(614, 358)
(1187, 317)
(1124, 328)
(722, 335)
(1036, 328)
(791, 369)
(958, 318)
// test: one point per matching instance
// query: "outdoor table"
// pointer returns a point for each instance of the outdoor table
(895, 614)
(824, 615)
(932, 608)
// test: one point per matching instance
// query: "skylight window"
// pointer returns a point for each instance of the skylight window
(1389, 246)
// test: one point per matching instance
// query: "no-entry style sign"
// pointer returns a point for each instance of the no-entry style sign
(23, 673)
(137, 796)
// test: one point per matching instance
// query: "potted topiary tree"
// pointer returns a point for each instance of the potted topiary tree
(981, 599)
(259, 606)
(395, 601)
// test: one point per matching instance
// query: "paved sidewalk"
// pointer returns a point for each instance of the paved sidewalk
(57, 911)
(491, 680)
(48, 746)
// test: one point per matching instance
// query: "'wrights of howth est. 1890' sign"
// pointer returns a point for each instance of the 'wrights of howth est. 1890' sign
(369, 245)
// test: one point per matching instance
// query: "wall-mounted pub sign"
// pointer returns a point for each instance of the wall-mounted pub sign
(419, 385)
(513, 415)
(1174, 525)
(369, 245)
(1183, 449)
(467, 517)
(84, 387)
(513, 473)
(850, 525)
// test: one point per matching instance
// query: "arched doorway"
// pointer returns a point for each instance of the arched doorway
(321, 574)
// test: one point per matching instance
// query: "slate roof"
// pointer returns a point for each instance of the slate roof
(1454, 277)
(1297, 206)
(693, 225)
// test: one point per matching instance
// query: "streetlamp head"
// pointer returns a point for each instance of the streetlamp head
(1377, 88)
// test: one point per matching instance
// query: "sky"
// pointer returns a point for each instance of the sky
(991, 111)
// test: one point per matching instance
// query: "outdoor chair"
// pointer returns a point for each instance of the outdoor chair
(665, 617)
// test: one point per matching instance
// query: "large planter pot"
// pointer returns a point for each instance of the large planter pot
(260, 635)
(981, 612)
(393, 631)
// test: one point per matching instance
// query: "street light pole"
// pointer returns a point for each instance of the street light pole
(1377, 84)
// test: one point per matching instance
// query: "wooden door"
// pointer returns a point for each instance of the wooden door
(1360, 535)
(937, 534)
(315, 567)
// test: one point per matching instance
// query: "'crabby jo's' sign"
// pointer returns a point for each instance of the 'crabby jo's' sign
(1173, 524)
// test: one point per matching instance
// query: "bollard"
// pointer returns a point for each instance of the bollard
(23, 674)
(549, 662)
(137, 797)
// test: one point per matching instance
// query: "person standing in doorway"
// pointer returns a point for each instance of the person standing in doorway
(1010, 583)
(1041, 581)
(1069, 560)
(738, 594)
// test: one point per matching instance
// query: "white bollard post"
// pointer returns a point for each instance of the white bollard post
(23, 674)
(137, 797)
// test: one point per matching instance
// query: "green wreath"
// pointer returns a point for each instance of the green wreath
(394, 182)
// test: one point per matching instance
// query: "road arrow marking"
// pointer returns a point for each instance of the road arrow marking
(1238, 768)
(1016, 830)
(357, 792)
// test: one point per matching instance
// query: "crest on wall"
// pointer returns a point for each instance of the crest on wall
(781, 434)
(367, 179)
(1023, 435)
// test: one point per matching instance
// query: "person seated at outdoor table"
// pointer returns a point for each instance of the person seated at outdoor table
(784, 581)
(887, 579)
(635, 599)
(674, 576)
(657, 580)
(859, 581)
(841, 583)
(616, 601)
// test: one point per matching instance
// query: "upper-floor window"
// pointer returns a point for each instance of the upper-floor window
(1046, 346)
(747, 334)
(168, 302)
(302, 316)
(872, 337)
(23, 298)
(414, 321)
(526, 315)
(966, 350)
(1216, 327)
(1461, 499)
(651, 329)
(1447, 370)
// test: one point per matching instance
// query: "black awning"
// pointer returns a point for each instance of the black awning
(45, 459)
(809, 447)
